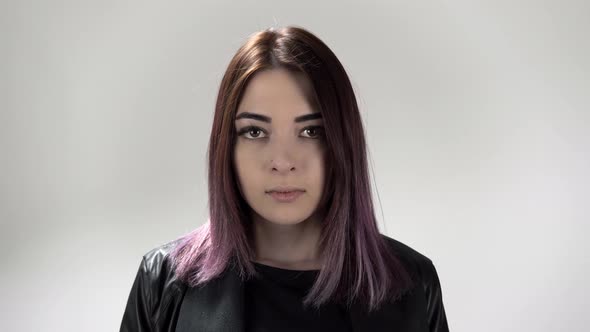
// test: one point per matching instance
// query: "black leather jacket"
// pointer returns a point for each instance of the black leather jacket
(158, 301)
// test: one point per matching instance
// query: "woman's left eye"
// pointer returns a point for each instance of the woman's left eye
(314, 131)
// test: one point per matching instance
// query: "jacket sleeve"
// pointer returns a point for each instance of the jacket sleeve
(137, 315)
(437, 320)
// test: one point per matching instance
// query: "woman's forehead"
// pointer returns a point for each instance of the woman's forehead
(277, 92)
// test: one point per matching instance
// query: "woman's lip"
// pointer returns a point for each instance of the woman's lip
(285, 189)
(286, 197)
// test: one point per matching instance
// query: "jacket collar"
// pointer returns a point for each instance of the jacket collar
(218, 306)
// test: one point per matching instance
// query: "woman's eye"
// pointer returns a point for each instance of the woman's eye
(314, 132)
(254, 132)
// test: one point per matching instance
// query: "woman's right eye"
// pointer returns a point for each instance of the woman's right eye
(253, 131)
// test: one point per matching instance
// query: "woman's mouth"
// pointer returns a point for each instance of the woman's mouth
(286, 196)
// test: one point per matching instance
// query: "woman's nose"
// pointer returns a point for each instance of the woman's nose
(282, 166)
(282, 156)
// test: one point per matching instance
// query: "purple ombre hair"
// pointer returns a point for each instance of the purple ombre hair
(359, 266)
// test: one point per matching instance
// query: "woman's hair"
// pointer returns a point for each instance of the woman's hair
(358, 264)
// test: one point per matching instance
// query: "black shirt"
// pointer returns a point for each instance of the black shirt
(274, 302)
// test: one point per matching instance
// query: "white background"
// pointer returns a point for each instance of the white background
(477, 119)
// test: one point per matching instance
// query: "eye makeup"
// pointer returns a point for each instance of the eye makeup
(248, 129)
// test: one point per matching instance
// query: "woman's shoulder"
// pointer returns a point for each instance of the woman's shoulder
(424, 272)
(155, 290)
(159, 257)
(157, 266)
(418, 265)
(404, 251)
(158, 271)
(157, 262)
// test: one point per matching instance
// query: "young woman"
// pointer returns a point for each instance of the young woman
(292, 242)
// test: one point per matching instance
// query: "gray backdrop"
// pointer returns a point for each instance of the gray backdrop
(477, 123)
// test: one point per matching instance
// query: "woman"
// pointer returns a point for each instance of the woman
(291, 243)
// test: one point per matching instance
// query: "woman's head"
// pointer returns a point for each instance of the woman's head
(281, 76)
(279, 145)
(303, 76)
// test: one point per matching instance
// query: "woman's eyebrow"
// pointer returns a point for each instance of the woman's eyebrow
(264, 118)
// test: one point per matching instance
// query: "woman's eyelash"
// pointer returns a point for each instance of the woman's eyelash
(251, 128)
(320, 129)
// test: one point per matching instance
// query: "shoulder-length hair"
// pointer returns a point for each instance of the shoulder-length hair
(358, 264)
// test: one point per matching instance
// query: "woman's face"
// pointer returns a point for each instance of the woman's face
(280, 143)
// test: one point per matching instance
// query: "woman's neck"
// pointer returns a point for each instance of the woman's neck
(287, 246)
